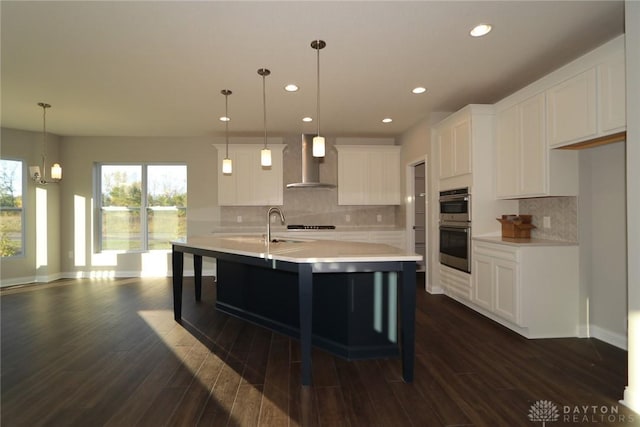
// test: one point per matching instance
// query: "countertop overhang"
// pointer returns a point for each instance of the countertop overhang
(299, 250)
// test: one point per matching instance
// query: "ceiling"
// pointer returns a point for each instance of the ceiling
(157, 68)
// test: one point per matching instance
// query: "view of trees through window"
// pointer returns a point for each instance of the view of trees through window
(143, 207)
(11, 224)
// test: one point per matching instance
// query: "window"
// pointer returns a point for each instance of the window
(11, 213)
(141, 206)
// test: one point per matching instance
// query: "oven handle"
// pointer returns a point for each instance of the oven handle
(455, 197)
(464, 228)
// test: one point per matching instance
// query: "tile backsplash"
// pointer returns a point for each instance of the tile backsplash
(562, 212)
(312, 206)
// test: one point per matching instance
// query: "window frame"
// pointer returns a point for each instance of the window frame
(23, 224)
(143, 209)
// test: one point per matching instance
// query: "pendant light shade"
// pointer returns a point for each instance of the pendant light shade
(265, 157)
(38, 175)
(318, 141)
(227, 164)
(56, 171)
(265, 153)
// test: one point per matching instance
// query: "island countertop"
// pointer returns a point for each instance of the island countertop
(299, 250)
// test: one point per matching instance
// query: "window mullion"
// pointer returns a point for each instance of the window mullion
(144, 210)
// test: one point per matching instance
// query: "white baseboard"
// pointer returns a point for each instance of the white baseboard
(93, 274)
(631, 399)
(609, 337)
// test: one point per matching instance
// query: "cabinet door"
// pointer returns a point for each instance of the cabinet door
(352, 177)
(384, 176)
(572, 110)
(507, 152)
(611, 95)
(445, 145)
(482, 281)
(505, 276)
(462, 148)
(533, 155)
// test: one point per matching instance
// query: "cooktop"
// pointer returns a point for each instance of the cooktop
(310, 227)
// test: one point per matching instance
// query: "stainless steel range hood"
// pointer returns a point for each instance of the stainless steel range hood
(310, 167)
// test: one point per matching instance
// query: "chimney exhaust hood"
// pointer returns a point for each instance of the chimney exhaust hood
(310, 167)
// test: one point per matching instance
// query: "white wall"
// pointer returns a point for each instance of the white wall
(80, 155)
(632, 28)
(416, 145)
(22, 145)
(602, 233)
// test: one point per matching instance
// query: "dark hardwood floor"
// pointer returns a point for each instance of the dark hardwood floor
(108, 352)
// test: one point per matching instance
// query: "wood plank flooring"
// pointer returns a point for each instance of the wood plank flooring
(108, 353)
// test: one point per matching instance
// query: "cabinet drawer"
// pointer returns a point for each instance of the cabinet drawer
(495, 250)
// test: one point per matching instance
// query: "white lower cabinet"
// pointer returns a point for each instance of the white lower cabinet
(455, 283)
(532, 289)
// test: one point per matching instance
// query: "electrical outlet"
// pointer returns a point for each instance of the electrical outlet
(546, 221)
(379, 217)
(239, 218)
(347, 218)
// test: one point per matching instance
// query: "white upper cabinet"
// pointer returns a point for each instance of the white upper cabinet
(454, 142)
(589, 104)
(250, 184)
(612, 94)
(368, 174)
(521, 151)
(571, 108)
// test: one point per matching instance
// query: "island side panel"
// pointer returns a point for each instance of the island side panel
(305, 292)
(408, 322)
(177, 266)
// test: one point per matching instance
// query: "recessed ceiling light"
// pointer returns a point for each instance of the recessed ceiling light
(419, 89)
(480, 30)
(225, 119)
(307, 119)
(387, 120)
(291, 87)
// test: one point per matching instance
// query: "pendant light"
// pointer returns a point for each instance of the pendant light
(318, 141)
(227, 165)
(56, 169)
(265, 153)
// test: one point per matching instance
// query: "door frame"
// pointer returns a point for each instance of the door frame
(410, 210)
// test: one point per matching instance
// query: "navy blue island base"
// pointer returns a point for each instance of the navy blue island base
(296, 279)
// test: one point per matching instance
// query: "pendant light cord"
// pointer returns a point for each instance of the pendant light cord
(226, 124)
(264, 109)
(44, 137)
(318, 84)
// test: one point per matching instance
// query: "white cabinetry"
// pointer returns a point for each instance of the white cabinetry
(533, 289)
(572, 109)
(521, 152)
(524, 165)
(250, 184)
(454, 143)
(455, 283)
(590, 104)
(612, 94)
(368, 174)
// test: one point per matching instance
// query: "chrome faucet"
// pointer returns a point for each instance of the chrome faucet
(271, 211)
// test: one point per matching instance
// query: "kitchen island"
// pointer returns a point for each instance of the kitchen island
(343, 297)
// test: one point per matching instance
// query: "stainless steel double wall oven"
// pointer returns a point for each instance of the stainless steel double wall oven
(455, 229)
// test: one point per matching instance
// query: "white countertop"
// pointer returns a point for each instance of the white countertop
(300, 250)
(523, 242)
